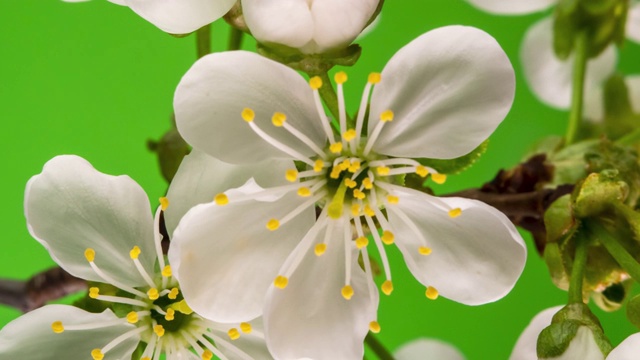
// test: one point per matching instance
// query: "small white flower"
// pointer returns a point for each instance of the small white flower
(100, 228)
(438, 97)
(312, 26)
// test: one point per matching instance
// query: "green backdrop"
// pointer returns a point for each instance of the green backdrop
(96, 80)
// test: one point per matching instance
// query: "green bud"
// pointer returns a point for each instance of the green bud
(598, 192)
(171, 149)
(559, 220)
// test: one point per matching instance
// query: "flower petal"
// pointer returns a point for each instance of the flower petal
(225, 258)
(627, 350)
(476, 257)
(208, 114)
(512, 7)
(550, 78)
(31, 337)
(180, 17)
(525, 348)
(435, 349)
(200, 177)
(252, 344)
(633, 23)
(310, 318)
(338, 22)
(583, 346)
(71, 206)
(286, 22)
(448, 89)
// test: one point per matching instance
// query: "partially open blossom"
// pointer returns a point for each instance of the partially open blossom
(100, 228)
(439, 97)
(312, 26)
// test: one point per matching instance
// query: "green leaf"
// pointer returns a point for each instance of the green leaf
(457, 165)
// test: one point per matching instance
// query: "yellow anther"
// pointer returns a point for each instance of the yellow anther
(367, 183)
(234, 334)
(173, 294)
(278, 119)
(320, 249)
(423, 250)
(340, 77)
(281, 282)
(132, 317)
(431, 293)
(90, 254)
(166, 272)
(318, 165)
(374, 78)
(153, 294)
(387, 287)
(97, 354)
(369, 211)
(347, 292)
(439, 178)
(164, 203)
(350, 183)
(392, 199)
(355, 209)
(383, 170)
(358, 194)
(454, 213)
(145, 358)
(386, 116)
(182, 307)
(273, 224)
(336, 148)
(221, 199)
(248, 115)
(245, 327)
(207, 354)
(94, 292)
(304, 192)
(344, 165)
(355, 166)
(349, 134)
(387, 237)
(57, 327)
(422, 171)
(362, 242)
(335, 173)
(134, 253)
(170, 314)
(291, 175)
(374, 327)
(159, 330)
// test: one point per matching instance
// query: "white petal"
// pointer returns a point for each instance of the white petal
(633, 23)
(71, 206)
(448, 89)
(583, 346)
(525, 348)
(550, 78)
(310, 318)
(30, 336)
(512, 7)
(286, 22)
(252, 344)
(633, 85)
(430, 349)
(226, 258)
(477, 257)
(211, 96)
(338, 22)
(200, 177)
(627, 350)
(182, 16)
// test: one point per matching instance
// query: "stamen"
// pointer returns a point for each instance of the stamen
(374, 78)
(341, 78)
(281, 282)
(454, 213)
(362, 242)
(439, 178)
(248, 114)
(134, 254)
(387, 237)
(320, 249)
(392, 199)
(349, 135)
(117, 341)
(347, 251)
(385, 116)
(422, 171)
(173, 294)
(148, 351)
(383, 170)
(220, 342)
(336, 148)
(96, 354)
(394, 161)
(57, 327)
(306, 243)
(295, 212)
(367, 267)
(153, 294)
(159, 330)
(379, 246)
(431, 293)
(278, 145)
(90, 255)
(304, 191)
(279, 120)
(273, 224)
(374, 327)
(369, 211)
(347, 292)
(170, 314)
(355, 166)
(316, 83)
(245, 327)
(166, 272)
(234, 334)
(164, 203)
(367, 183)
(94, 294)
(221, 199)
(423, 250)
(157, 240)
(132, 317)
(355, 210)
(318, 165)
(387, 287)
(291, 175)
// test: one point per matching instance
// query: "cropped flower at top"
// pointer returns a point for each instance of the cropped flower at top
(439, 97)
(99, 227)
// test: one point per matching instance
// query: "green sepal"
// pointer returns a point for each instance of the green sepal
(312, 64)
(633, 310)
(457, 165)
(170, 149)
(569, 163)
(598, 192)
(559, 220)
(556, 263)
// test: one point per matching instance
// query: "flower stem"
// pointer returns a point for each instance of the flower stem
(616, 250)
(577, 96)
(376, 346)
(235, 39)
(203, 41)
(330, 98)
(578, 270)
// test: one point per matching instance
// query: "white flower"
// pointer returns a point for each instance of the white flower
(427, 349)
(100, 228)
(583, 345)
(312, 26)
(445, 92)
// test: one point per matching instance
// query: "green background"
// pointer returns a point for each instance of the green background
(96, 80)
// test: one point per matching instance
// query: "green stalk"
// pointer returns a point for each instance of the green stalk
(577, 271)
(203, 41)
(235, 39)
(577, 96)
(616, 250)
(376, 346)
(330, 98)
